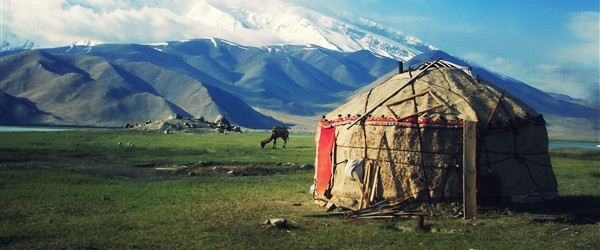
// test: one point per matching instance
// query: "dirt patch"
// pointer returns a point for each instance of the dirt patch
(155, 172)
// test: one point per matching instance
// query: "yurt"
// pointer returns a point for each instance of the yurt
(406, 138)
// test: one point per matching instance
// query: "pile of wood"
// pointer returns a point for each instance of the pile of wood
(387, 209)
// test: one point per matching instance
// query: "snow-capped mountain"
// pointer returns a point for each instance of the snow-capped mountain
(278, 22)
(274, 22)
(10, 41)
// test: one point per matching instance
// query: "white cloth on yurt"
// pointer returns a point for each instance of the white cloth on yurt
(354, 165)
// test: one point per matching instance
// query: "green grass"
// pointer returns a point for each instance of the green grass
(51, 209)
(99, 146)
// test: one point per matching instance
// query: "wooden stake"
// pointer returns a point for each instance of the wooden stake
(420, 221)
(469, 169)
(366, 184)
(362, 189)
(375, 182)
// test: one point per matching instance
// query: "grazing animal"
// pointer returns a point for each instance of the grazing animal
(276, 132)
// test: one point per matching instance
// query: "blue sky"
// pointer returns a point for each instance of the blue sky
(550, 44)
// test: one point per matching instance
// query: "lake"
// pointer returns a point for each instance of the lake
(40, 128)
(588, 145)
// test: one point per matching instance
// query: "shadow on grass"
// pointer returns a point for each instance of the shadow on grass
(572, 210)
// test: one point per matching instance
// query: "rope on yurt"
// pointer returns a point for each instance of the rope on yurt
(420, 134)
(515, 130)
(364, 130)
(445, 177)
(383, 143)
(537, 163)
(446, 174)
(512, 156)
(409, 82)
(445, 78)
(451, 91)
(515, 134)
(398, 150)
(472, 108)
(520, 158)
(403, 150)
(399, 163)
(524, 162)
(367, 101)
(481, 144)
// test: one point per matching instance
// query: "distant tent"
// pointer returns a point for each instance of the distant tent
(404, 138)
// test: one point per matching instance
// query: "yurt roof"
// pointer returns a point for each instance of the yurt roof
(435, 90)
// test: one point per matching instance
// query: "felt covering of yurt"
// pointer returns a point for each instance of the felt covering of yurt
(404, 138)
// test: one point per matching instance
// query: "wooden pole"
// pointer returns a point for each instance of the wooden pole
(469, 169)
(362, 190)
(393, 94)
(493, 111)
(368, 167)
(375, 182)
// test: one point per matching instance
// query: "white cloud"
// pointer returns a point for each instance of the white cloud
(568, 79)
(569, 65)
(54, 23)
(565, 79)
(584, 47)
(585, 25)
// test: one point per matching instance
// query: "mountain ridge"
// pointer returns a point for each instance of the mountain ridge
(537, 99)
(273, 63)
(254, 87)
(173, 80)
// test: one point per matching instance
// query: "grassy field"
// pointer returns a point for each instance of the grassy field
(109, 146)
(101, 189)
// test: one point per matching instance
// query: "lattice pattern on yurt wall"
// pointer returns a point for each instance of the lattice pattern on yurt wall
(419, 162)
(420, 103)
